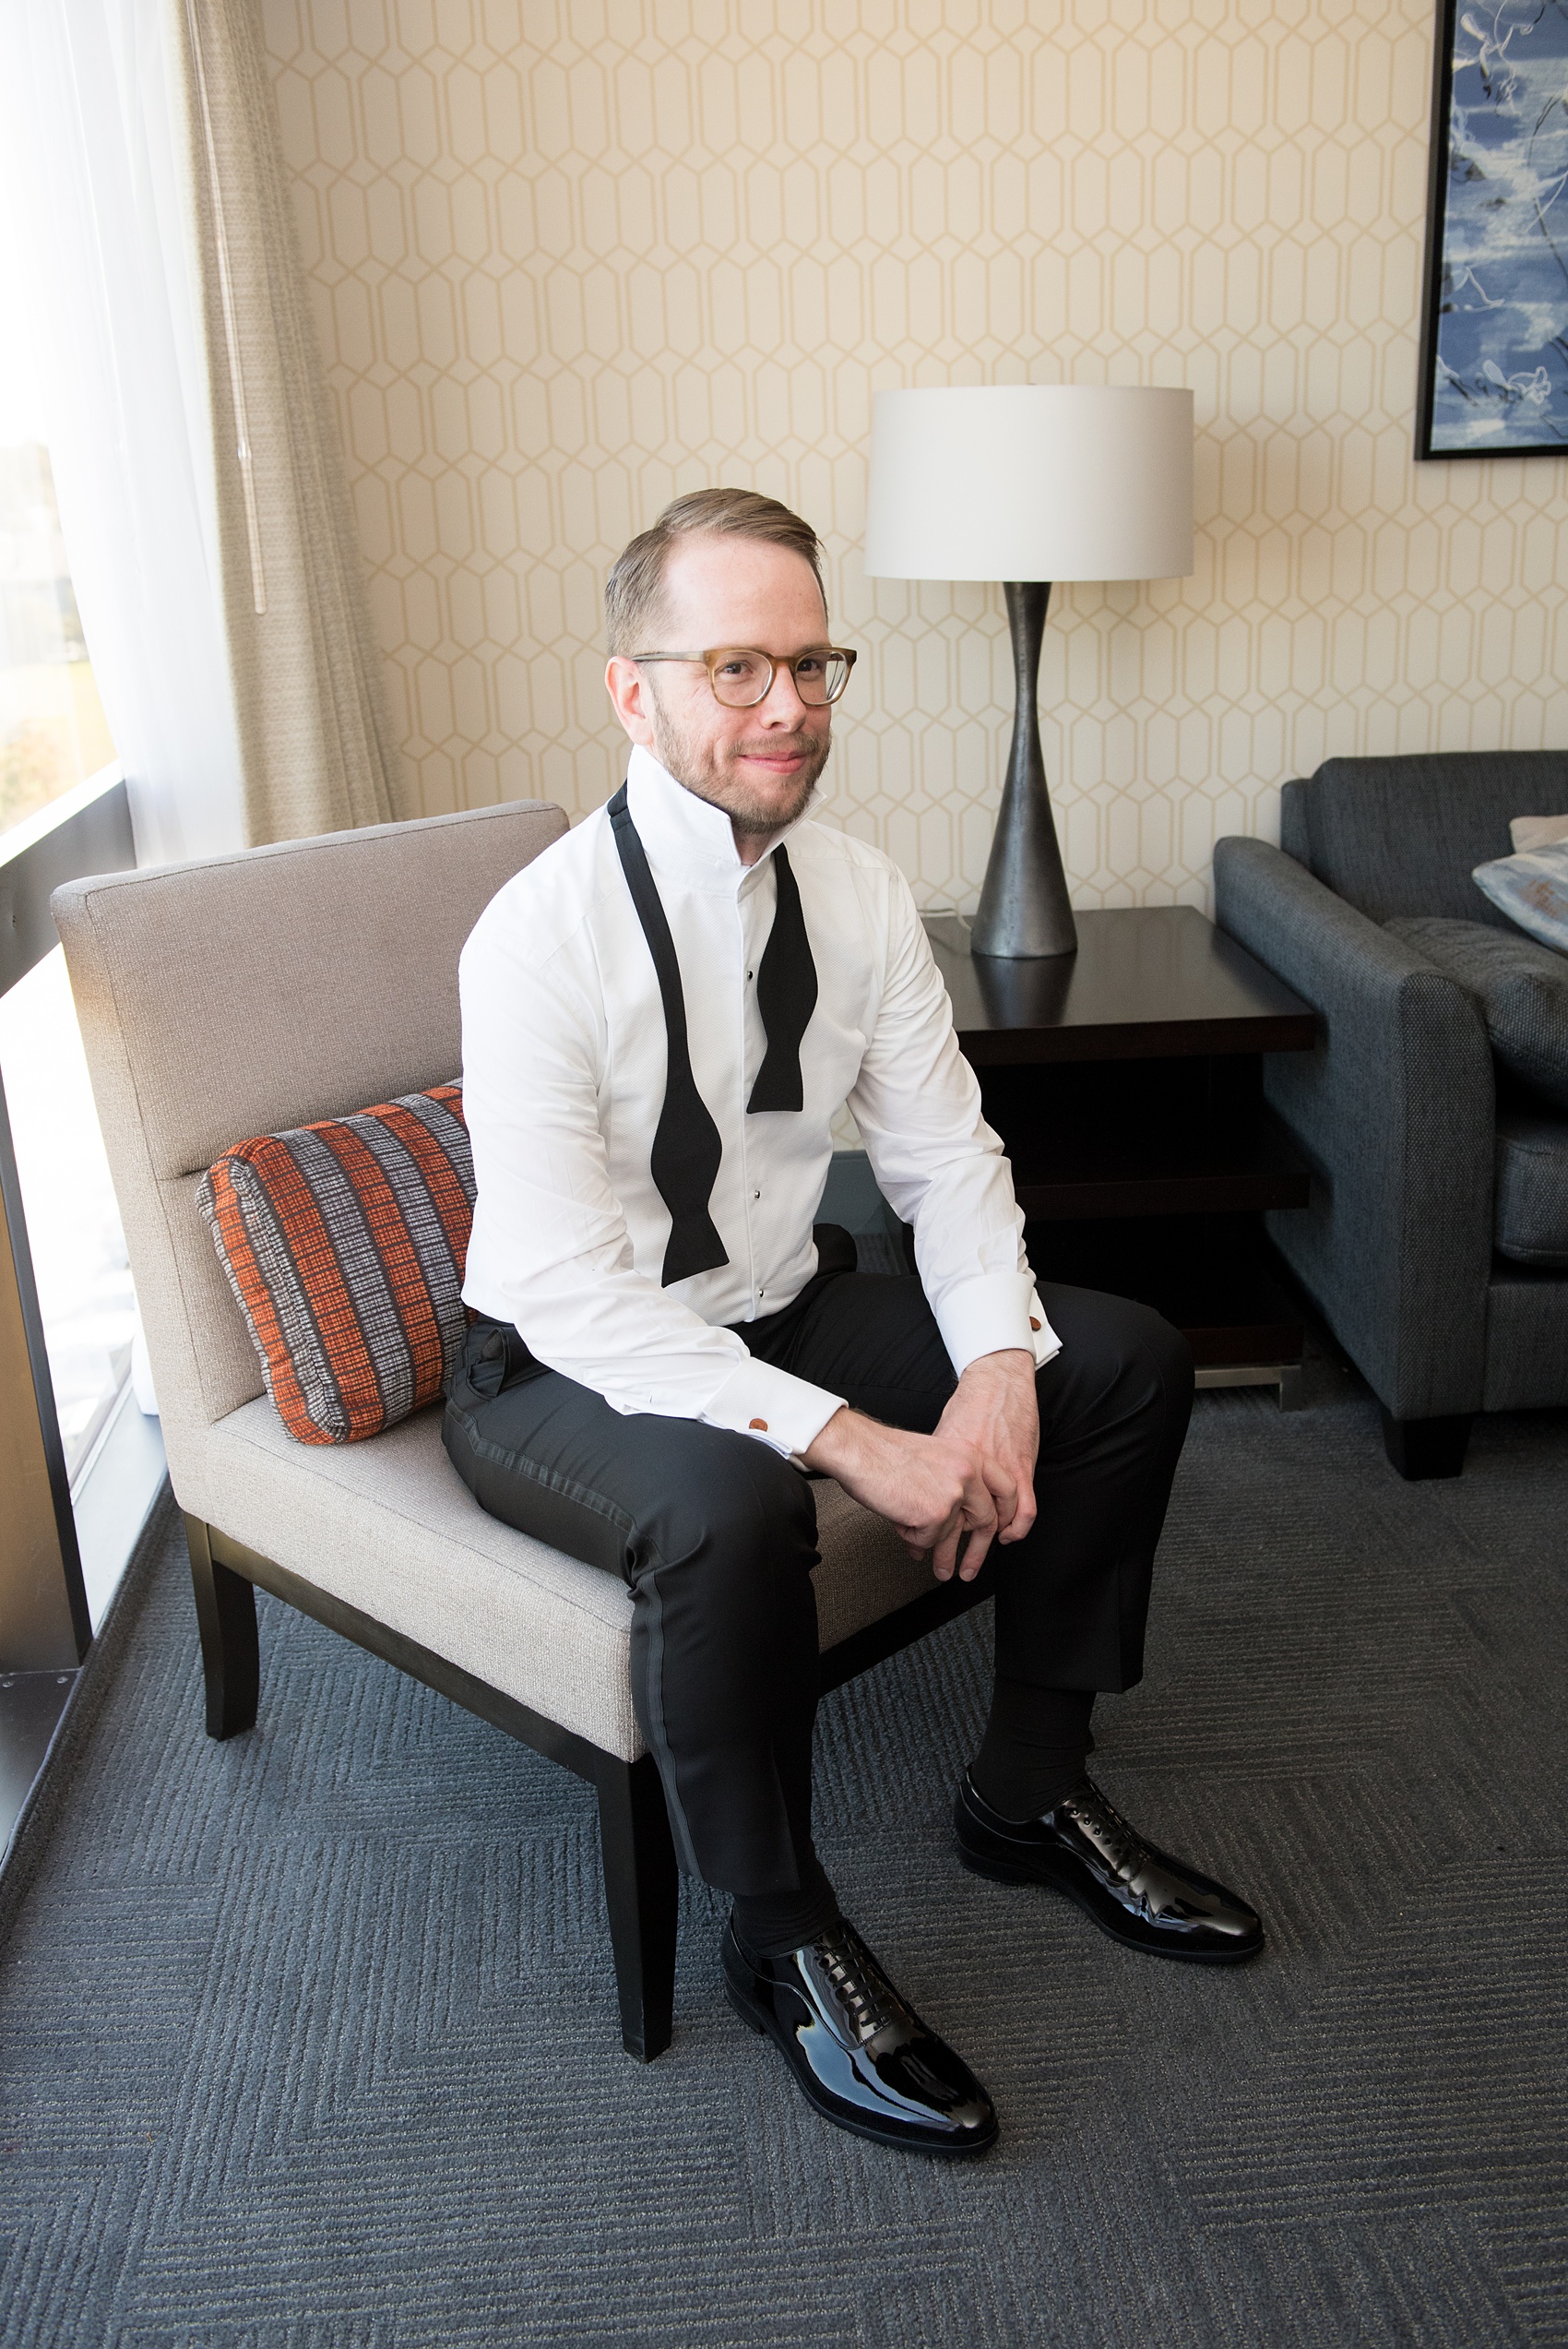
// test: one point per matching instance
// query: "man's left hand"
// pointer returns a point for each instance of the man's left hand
(993, 1410)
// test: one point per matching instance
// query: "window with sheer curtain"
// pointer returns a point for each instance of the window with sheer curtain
(52, 731)
(170, 407)
(53, 736)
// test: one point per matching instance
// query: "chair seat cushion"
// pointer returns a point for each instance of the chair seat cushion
(1531, 1213)
(1522, 989)
(390, 1528)
(344, 1244)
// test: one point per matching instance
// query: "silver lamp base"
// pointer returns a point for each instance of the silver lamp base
(1024, 910)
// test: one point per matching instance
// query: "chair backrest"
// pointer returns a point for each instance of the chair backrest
(1402, 836)
(252, 992)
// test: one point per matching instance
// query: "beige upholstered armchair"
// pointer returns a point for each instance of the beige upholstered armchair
(264, 990)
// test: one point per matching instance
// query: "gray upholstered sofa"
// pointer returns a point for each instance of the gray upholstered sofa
(1428, 1160)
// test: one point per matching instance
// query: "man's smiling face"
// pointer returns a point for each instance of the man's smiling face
(760, 765)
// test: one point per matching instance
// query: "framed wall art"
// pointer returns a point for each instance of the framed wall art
(1494, 327)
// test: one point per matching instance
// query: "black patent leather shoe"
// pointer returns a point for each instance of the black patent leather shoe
(1084, 1847)
(859, 2053)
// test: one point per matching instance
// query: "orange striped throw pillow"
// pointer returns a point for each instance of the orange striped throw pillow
(344, 1244)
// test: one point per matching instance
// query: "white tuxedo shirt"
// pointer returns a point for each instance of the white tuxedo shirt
(563, 1074)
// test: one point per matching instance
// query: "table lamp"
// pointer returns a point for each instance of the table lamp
(1030, 483)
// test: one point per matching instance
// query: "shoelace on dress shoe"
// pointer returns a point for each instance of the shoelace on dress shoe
(1121, 1845)
(869, 2001)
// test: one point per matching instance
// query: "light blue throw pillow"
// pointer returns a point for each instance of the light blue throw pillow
(1532, 889)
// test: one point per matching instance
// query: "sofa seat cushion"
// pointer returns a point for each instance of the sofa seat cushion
(389, 1527)
(1522, 989)
(1531, 1211)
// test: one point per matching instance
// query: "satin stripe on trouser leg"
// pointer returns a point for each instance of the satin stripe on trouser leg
(716, 1538)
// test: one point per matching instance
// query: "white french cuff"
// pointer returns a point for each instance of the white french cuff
(773, 1406)
(996, 1312)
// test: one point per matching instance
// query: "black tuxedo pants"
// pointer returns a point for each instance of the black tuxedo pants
(715, 1534)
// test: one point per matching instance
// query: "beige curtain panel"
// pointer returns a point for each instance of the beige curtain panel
(315, 735)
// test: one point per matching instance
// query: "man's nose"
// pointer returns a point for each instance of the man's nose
(781, 703)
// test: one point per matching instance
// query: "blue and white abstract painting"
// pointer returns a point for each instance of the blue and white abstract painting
(1498, 334)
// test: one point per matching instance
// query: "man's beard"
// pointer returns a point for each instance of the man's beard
(708, 775)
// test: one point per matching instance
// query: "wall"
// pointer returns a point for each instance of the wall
(574, 256)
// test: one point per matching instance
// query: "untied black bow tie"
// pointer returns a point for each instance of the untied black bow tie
(686, 1145)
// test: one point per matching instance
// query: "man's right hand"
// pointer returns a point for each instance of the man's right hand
(930, 1488)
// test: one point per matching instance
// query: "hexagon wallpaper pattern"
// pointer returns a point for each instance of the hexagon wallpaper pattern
(572, 256)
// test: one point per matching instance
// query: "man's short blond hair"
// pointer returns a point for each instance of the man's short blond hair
(634, 593)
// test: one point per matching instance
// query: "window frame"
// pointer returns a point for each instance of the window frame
(44, 1621)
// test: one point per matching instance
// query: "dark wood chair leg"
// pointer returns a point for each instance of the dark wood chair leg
(231, 1657)
(1423, 1450)
(641, 1885)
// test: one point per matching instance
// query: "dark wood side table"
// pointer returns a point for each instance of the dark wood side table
(1126, 1082)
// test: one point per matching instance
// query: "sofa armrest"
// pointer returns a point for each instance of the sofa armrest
(1394, 1109)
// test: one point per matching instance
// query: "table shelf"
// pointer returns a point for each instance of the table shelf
(1224, 1166)
(1211, 1278)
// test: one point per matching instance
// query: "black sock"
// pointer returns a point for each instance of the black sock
(769, 1925)
(1035, 1747)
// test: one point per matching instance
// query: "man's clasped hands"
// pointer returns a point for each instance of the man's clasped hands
(958, 1489)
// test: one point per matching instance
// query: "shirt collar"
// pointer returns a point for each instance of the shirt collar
(686, 836)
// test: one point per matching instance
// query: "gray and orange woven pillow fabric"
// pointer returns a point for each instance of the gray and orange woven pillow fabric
(344, 1244)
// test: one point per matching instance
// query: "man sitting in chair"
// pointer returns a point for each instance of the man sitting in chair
(661, 1016)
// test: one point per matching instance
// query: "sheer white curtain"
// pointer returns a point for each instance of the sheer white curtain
(91, 187)
(195, 457)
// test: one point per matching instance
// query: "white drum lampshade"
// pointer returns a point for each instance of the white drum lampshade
(1030, 483)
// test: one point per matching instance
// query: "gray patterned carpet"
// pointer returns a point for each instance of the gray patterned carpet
(308, 2041)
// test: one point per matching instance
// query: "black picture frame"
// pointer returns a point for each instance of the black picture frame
(1490, 384)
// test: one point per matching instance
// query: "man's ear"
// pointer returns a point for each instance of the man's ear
(631, 697)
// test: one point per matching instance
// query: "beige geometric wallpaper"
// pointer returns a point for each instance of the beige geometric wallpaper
(572, 256)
